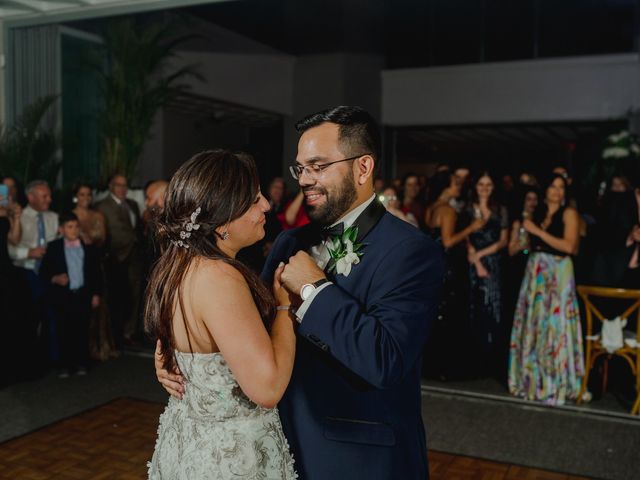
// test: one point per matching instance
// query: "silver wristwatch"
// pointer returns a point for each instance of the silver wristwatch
(308, 288)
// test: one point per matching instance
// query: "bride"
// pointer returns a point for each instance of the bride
(228, 334)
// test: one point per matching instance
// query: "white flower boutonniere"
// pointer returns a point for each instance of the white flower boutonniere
(344, 251)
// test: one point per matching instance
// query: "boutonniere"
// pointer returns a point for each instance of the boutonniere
(345, 251)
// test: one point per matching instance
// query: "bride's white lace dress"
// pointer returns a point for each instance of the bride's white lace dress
(216, 432)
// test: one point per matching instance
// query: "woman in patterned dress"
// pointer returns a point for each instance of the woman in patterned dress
(546, 360)
(218, 323)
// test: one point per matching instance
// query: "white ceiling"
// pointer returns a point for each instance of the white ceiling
(31, 12)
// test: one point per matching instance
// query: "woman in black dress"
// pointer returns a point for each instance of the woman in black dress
(449, 335)
(484, 250)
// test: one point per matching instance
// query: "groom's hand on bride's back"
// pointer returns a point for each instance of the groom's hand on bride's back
(171, 382)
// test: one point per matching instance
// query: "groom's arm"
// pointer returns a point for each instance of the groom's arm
(382, 341)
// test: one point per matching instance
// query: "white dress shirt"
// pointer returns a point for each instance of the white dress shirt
(29, 239)
(321, 255)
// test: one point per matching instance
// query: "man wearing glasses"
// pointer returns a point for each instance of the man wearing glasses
(353, 406)
(353, 409)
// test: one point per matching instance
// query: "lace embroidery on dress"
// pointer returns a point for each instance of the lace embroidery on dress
(216, 431)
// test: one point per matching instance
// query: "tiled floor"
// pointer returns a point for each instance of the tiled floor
(507, 432)
(116, 440)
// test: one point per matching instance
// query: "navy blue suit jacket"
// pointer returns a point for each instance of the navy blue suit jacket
(353, 406)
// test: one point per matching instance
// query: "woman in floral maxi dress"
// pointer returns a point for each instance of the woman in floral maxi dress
(546, 360)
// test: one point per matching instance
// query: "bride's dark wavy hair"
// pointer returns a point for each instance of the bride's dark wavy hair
(223, 185)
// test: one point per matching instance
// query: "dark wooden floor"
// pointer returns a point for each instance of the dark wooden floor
(116, 440)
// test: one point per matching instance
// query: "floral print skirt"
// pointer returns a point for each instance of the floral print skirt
(546, 361)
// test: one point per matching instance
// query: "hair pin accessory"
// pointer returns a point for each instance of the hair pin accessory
(188, 228)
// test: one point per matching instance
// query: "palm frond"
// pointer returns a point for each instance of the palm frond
(28, 149)
(136, 85)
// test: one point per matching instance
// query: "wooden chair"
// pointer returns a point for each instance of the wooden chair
(630, 351)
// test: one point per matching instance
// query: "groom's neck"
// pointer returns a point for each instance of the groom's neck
(364, 194)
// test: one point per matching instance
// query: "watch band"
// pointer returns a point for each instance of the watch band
(322, 281)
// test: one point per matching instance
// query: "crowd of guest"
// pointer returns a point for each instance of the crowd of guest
(513, 249)
(72, 284)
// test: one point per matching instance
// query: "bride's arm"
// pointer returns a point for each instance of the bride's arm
(261, 362)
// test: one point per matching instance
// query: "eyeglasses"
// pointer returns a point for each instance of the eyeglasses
(314, 170)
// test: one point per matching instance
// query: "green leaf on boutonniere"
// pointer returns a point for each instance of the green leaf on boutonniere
(344, 251)
(350, 234)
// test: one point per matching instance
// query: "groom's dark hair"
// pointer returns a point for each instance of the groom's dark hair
(358, 132)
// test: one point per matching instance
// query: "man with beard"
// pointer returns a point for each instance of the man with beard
(353, 406)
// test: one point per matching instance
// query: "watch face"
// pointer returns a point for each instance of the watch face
(306, 291)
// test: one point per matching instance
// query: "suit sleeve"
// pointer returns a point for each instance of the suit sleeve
(381, 342)
(274, 258)
(47, 267)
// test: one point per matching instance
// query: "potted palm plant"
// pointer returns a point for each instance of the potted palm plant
(136, 82)
(29, 149)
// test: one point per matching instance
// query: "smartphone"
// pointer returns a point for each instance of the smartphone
(4, 195)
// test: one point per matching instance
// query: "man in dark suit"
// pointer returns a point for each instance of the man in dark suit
(353, 406)
(71, 270)
(124, 262)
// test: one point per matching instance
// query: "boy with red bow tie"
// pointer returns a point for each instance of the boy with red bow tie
(71, 270)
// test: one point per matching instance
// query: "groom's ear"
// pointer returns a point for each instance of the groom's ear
(365, 166)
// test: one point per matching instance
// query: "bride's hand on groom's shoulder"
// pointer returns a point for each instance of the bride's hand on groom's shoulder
(171, 382)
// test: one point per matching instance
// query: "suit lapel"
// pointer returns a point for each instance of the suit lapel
(369, 219)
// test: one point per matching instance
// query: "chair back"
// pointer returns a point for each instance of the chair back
(605, 344)
(587, 293)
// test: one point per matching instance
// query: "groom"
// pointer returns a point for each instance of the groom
(353, 406)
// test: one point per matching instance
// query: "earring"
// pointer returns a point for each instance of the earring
(224, 235)
(74, 199)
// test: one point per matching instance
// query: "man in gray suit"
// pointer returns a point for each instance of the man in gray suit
(124, 261)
